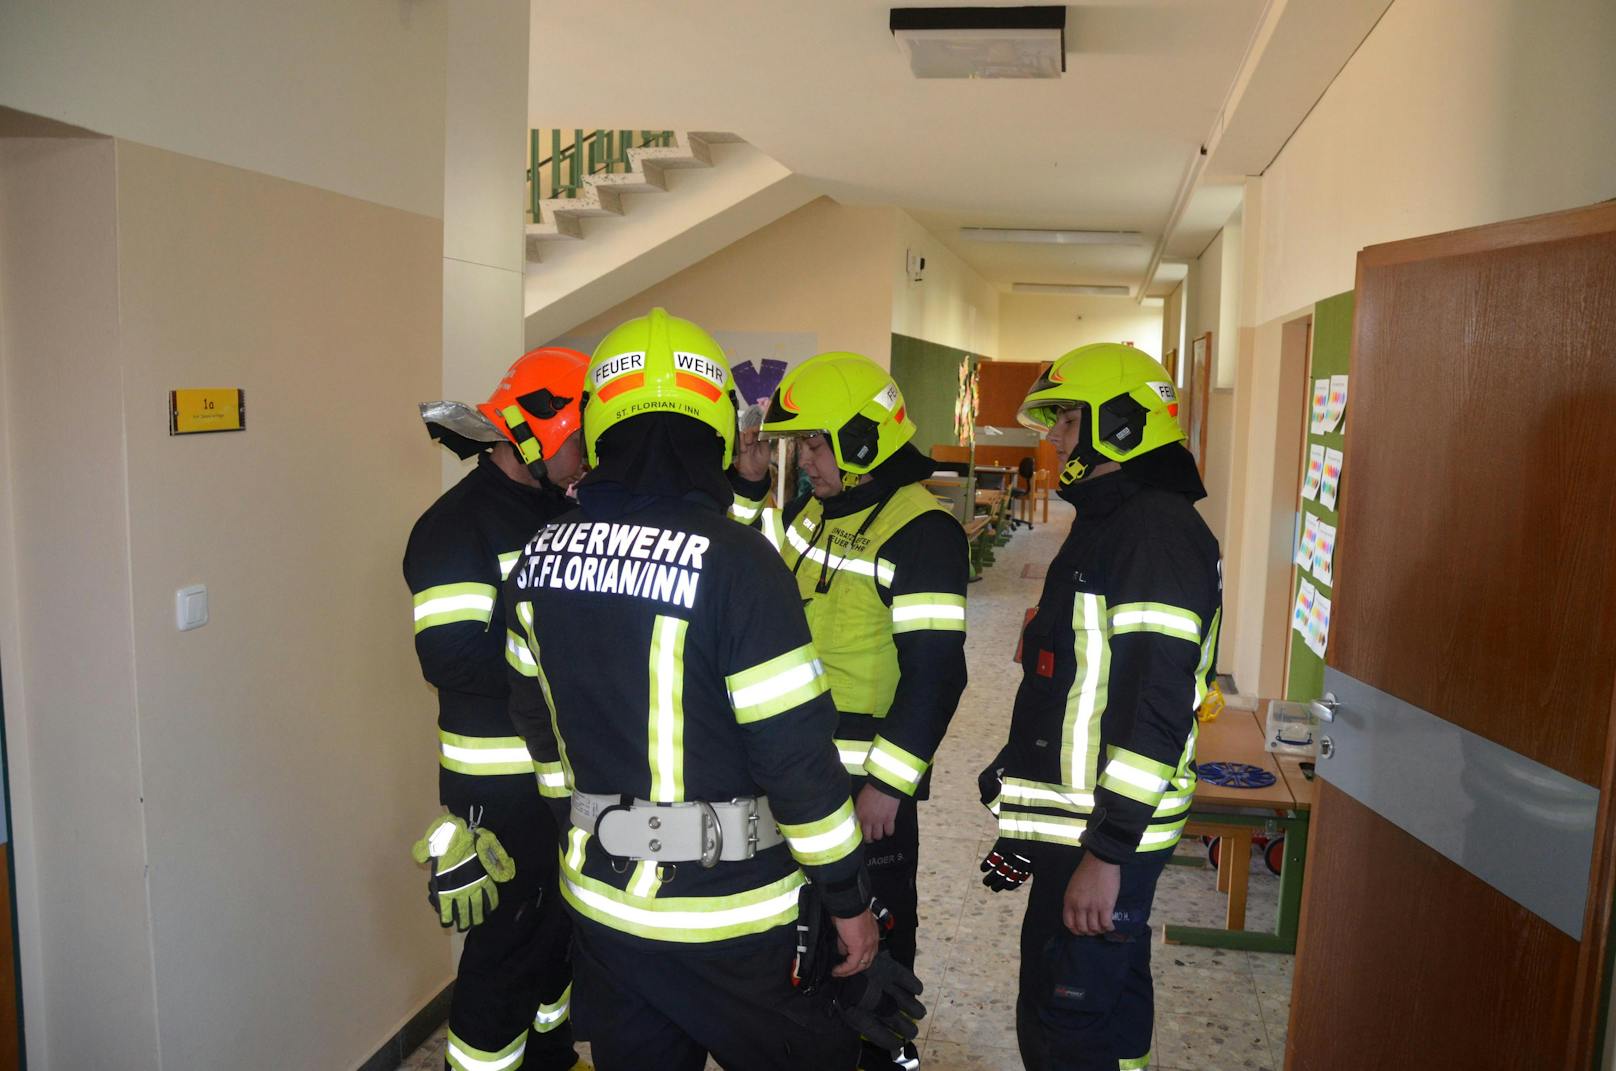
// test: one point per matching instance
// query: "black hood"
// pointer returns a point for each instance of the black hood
(651, 457)
(1169, 468)
(906, 465)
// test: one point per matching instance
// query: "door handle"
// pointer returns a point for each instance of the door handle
(1324, 709)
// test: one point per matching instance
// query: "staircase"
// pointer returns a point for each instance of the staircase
(560, 219)
(600, 243)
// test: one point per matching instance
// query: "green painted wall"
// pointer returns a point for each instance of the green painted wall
(1332, 352)
(928, 375)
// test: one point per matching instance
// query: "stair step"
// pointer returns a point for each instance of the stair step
(631, 181)
(566, 227)
(592, 200)
(693, 153)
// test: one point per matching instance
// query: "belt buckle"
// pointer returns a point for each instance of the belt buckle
(712, 835)
(751, 805)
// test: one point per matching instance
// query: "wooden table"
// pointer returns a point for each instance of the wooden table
(1234, 814)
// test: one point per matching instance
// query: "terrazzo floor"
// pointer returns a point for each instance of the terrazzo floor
(1215, 1010)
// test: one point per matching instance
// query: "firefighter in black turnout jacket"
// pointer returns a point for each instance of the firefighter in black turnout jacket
(881, 571)
(665, 664)
(492, 858)
(1092, 789)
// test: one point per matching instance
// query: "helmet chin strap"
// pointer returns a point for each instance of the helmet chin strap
(850, 480)
(1085, 458)
(538, 470)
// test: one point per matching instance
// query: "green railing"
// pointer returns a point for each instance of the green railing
(578, 153)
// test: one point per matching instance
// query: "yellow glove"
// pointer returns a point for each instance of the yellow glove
(468, 863)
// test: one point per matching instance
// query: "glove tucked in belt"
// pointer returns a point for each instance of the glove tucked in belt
(880, 1002)
(468, 863)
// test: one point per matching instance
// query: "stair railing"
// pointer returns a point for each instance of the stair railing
(585, 152)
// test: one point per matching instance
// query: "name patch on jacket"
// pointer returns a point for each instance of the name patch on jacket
(615, 559)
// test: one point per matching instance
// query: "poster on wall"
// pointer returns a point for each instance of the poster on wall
(1330, 480)
(1315, 472)
(1335, 409)
(1200, 397)
(1323, 552)
(1321, 402)
(1307, 546)
(1305, 594)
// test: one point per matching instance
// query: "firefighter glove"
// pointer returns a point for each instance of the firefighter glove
(881, 1002)
(467, 864)
(1005, 867)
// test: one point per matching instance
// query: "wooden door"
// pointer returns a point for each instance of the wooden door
(1459, 872)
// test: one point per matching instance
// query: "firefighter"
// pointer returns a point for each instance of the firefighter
(1092, 788)
(492, 858)
(660, 655)
(881, 569)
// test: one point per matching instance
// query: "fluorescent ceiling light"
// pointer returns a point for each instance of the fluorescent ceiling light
(1072, 288)
(1042, 237)
(982, 42)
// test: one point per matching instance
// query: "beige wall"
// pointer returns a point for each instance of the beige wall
(483, 255)
(823, 268)
(1452, 113)
(952, 305)
(83, 912)
(291, 735)
(216, 822)
(1172, 335)
(348, 96)
(1205, 301)
(1041, 327)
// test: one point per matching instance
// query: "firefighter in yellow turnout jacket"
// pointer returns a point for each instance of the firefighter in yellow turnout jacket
(1092, 788)
(659, 654)
(881, 571)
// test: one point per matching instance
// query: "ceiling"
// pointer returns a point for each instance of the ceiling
(823, 88)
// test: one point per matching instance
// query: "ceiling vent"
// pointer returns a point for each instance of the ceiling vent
(982, 42)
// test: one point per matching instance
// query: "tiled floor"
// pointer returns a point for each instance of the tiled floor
(1215, 1010)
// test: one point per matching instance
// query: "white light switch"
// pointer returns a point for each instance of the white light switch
(191, 607)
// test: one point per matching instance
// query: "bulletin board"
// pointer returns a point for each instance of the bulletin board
(1330, 356)
(928, 373)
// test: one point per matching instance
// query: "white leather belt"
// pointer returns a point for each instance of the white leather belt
(678, 832)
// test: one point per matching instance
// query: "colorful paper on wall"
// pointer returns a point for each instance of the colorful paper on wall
(1315, 472)
(1305, 546)
(1321, 400)
(1318, 625)
(1323, 549)
(1305, 594)
(1330, 482)
(1335, 408)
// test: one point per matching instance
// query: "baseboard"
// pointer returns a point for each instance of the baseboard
(413, 1033)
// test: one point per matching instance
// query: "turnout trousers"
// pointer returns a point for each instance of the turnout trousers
(1086, 1003)
(645, 1005)
(513, 990)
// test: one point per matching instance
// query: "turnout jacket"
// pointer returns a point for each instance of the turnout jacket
(881, 571)
(1114, 664)
(663, 656)
(459, 552)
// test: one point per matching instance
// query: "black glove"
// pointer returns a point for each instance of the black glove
(879, 1002)
(1005, 867)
